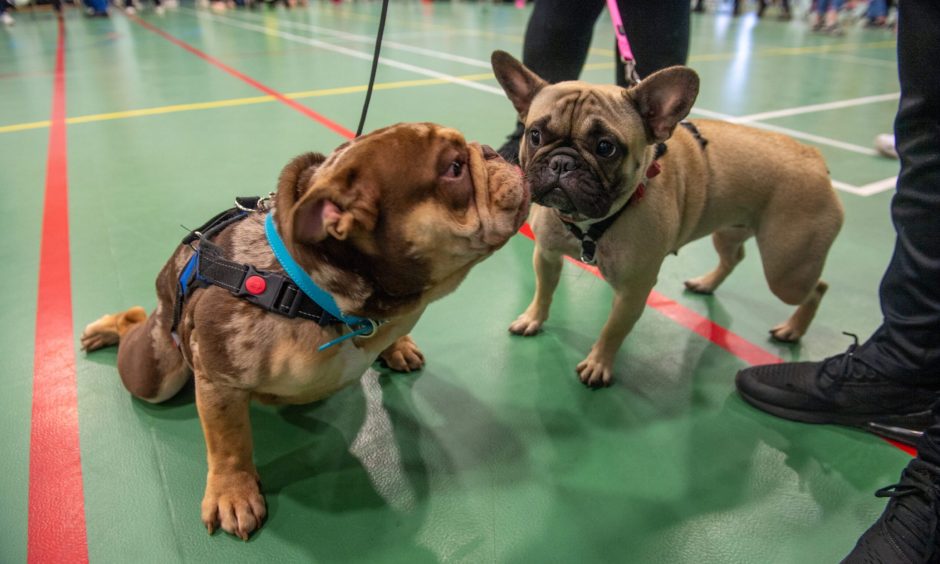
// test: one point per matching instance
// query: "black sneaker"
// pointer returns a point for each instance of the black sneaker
(843, 390)
(907, 530)
(510, 149)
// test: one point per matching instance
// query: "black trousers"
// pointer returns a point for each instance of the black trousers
(907, 345)
(559, 35)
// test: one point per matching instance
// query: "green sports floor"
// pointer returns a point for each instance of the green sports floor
(494, 452)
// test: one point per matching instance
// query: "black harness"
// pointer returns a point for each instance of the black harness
(271, 291)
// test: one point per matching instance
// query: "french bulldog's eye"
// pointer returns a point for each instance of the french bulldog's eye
(454, 170)
(605, 149)
(535, 136)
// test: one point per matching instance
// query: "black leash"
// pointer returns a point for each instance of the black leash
(375, 65)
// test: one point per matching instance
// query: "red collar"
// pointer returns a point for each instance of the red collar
(654, 169)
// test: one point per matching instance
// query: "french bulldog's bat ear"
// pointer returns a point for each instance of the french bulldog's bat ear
(663, 99)
(318, 218)
(520, 84)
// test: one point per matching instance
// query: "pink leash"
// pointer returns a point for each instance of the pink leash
(623, 45)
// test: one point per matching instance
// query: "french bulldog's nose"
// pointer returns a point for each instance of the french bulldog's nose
(489, 153)
(560, 164)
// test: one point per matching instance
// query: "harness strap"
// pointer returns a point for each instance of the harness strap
(272, 291)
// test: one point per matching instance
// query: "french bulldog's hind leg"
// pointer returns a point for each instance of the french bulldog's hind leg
(547, 273)
(729, 242)
(795, 327)
(403, 355)
(108, 329)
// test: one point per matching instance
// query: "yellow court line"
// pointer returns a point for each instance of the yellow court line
(772, 52)
(240, 102)
(780, 51)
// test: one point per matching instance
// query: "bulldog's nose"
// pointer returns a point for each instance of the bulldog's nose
(560, 164)
(489, 153)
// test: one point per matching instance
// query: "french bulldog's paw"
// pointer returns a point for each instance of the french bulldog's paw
(595, 372)
(701, 285)
(403, 355)
(527, 324)
(108, 329)
(234, 502)
(786, 332)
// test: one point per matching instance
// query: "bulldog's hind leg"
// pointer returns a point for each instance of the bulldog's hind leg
(150, 365)
(793, 258)
(729, 242)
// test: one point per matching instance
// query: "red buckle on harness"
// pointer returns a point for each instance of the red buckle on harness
(255, 285)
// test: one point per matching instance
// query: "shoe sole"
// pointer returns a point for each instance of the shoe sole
(906, 428)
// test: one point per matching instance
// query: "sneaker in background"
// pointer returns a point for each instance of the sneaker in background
(7, 19)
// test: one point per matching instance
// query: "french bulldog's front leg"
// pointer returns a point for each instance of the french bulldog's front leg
(547, 273)
(597, 369)
(233, 497)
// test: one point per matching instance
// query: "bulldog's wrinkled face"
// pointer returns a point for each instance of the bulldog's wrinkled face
(582, 148)
(588, 146)
(399, 216)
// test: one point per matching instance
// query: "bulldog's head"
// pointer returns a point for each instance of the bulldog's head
(395, 219)
(588, 146)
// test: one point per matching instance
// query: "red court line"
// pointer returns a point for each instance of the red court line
(247, 79)
(56, 521)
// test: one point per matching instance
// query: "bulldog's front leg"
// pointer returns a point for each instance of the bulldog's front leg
(233, 496)
(597, 369)
(548, 266)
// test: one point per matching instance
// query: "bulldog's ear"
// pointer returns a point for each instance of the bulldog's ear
(663, 99)
(520, 84)
(295, 179)
(318, 218)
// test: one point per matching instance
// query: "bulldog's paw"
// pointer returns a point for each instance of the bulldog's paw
(233, 501)
(403, 355)
(701, 285)
(108, 329)
(527, 324)
(595, 371)
(787, 332)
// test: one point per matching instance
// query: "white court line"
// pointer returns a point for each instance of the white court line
(791, 132)
(370, 40)
(350, 52)
(868, 189)
(817, 107)
(864, 190)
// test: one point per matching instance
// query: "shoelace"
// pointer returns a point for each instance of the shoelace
(913, 519)
(848, 365)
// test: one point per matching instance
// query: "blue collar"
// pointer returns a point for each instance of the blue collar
(361, 327)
